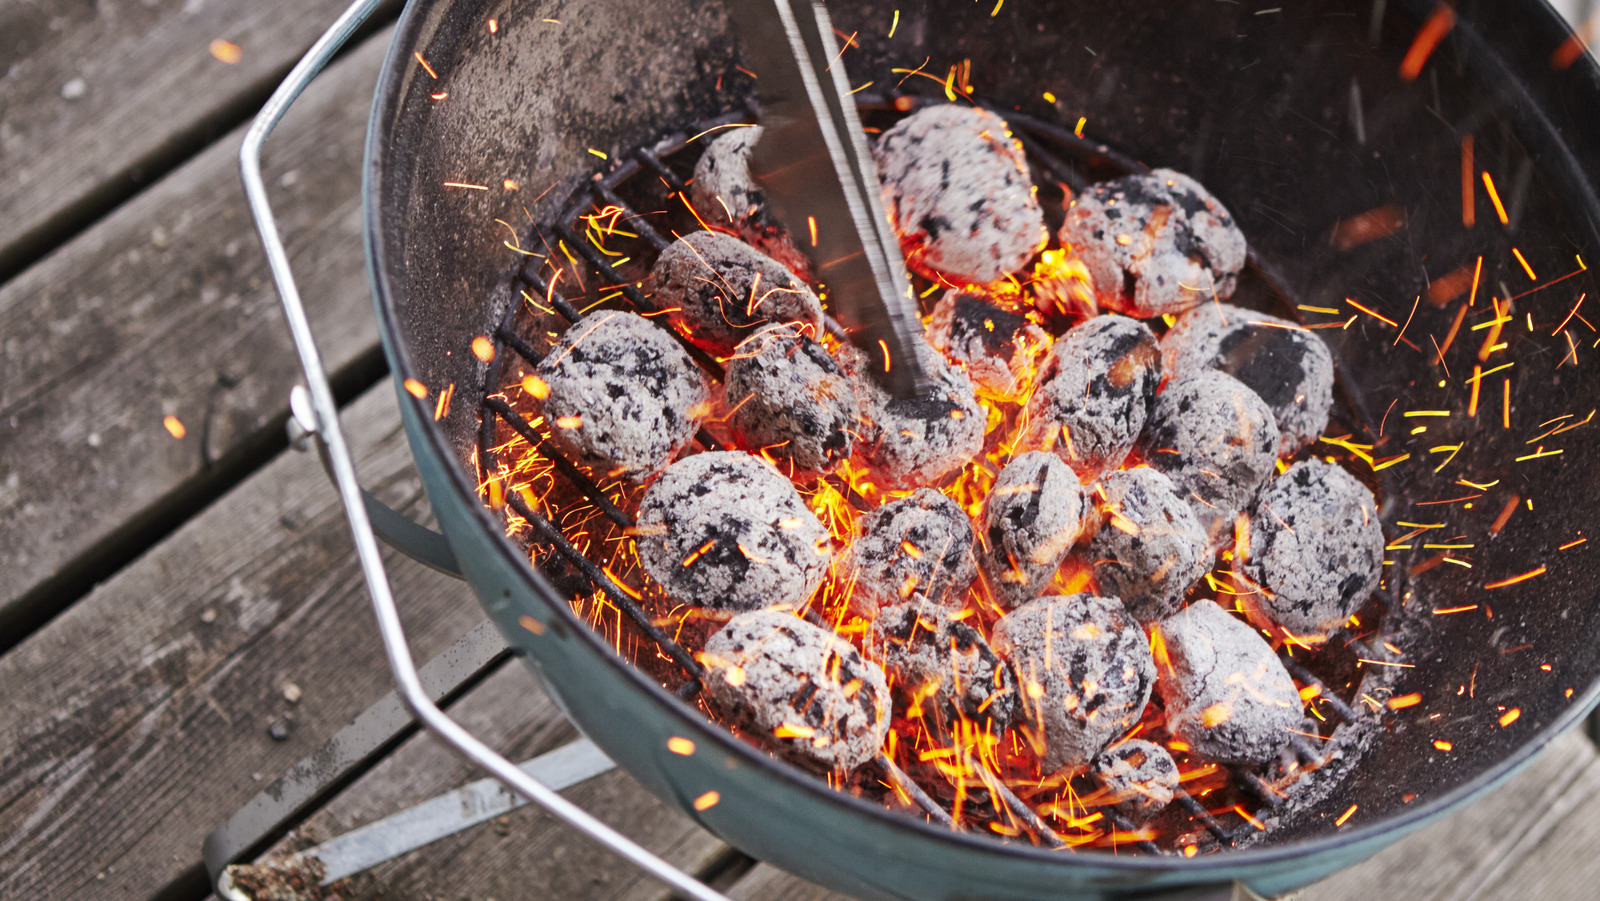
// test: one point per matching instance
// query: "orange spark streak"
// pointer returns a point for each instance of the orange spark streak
(1443, 745)
(707, 800)
(1510, 716)
(226, 51)
(1499, 208)
(1366, 227)
(1525, 267)
(1448, 287)
(1345, 816)
(1455, 326)
(1373, 313)
(1477, 271)
(1505, 404)
(1505, 514)
(1532, 573)
(416, 389)
(1571, 313)
(1401, 702)
(425, 67)
(1469, 195)
(1572, 544)
(462, 184)
(1441, 611)
(1401, 337)
(1433, 31)
(1572, 49)
(174, 427)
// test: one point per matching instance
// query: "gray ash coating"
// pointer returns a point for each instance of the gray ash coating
(1316, 550)
(1218, 443)
(1154, 244)
(1094, 394)
(624, 397)
(1140, 776)
(1034, 513)
(1226, 692)
(943, 666)
(767, 670)
(1288, 366)
(791, 397)
(998, 347)
(921, 543)
(957, 188)
(725, 531)
(915, 442)
(1150, 548)
(724, 193)
(1085, 671)
(724, 291)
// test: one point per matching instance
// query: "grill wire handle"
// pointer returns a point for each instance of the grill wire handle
(331, 437)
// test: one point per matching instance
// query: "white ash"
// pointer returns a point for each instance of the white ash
(1217, 441)
(1085, 671)
(915, 442)
(998, 347)
(957, 188)
(805, 693)
(1287, 365)
(624, 396)
(1154, 244)
(1140, 776)
(1150, 548)
(1226, 693)
(921, 543)
(1094, 394)
(790, 397)
(1316, 551)
(725, 193)
(1034, 513)
(722, 291)
(726, 531)
(944, 666)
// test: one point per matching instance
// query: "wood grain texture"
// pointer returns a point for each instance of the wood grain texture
(97, 94)
(166, 309)
(526, 854)
(138, 720)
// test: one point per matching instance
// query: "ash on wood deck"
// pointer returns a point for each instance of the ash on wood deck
(159, 595)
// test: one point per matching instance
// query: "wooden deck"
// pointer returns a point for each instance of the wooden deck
(182, 618)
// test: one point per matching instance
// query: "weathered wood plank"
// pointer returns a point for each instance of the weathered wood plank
(526, 854)
(97, 94)
(166, 308)
(138, 720)
(768, 883)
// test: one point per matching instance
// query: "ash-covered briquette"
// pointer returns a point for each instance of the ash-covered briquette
(1154, 244)
(1150, 548)
(805, 693)
(956, 187)
(624, 397)
(999, 347)
(1226, 693)
(921, 543)
(1033, 514)
(915, 442)
(724, 530)
(1094, 394)
(1316, 551)
(791, 398)
(1217, 441)
(1085, 671)
(1287, 365)
(725, 193)
(722, 291)
(1140, 776)
(942, 665)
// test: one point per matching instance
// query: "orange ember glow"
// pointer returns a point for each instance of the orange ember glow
(174, 427)
(226, 51)
(1433, 31)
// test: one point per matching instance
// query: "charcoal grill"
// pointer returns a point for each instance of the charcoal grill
(1325, 133)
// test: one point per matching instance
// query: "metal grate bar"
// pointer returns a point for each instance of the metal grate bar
(1298, 670)
(1199, 814)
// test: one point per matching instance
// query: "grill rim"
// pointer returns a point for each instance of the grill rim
(1540, 26)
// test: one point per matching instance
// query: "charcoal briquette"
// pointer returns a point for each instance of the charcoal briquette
(1094, 394)
(792, 399)
(721, 291)
(918, 544)
(998, 347)
(726, 194)
(942, 665)
(920, 440)
(1140, 776)
(1150, 548)
(1033, 515)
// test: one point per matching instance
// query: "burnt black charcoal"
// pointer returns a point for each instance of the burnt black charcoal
(1316, 551)
(791, 398)
(943, 666)
(1084, 668)
(1218, 443)
(999, 348)
(1226, 693)
(722, 291)
(1150, 548)
(1285, 364)
(956, 185)
(1140, 776)
(1033, 514)
(1094, 394)
(724, 193)
(805, 694)
(726, 531)
(918, 544)
(623, 396)
(915, 442)
(1154, 244)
